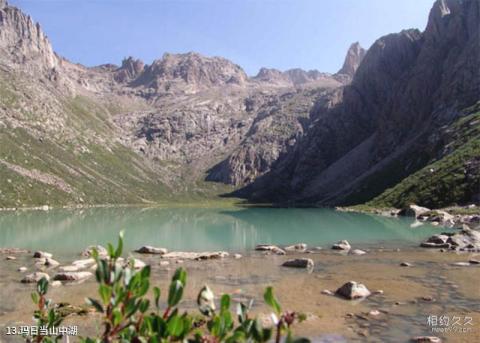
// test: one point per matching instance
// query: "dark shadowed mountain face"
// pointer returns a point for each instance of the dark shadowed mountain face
(390, 122)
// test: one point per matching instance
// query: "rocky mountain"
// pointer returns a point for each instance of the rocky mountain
(189, 127)
(397, 117)
(136, 132)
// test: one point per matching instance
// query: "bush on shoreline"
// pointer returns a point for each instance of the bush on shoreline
(129, 316)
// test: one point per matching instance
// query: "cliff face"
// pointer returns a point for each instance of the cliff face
(386, 126)
(23, 41)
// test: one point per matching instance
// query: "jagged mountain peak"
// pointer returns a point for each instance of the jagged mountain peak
(354, 57)
(130, 69)
(192, 71)
(22, 41)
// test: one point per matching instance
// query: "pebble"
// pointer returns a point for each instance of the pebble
(164, 263)
(327, 292)
(22, 269)
(405, 264)
(428, 298)
(426, 339)
(473, 261)
(374, 313)
(237, 256)
(10, 258)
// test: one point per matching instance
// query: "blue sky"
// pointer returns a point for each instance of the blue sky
(283, 34)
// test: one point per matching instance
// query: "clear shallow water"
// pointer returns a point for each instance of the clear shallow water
(66, 232)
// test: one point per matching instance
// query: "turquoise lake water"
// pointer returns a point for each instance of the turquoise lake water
(67, 232)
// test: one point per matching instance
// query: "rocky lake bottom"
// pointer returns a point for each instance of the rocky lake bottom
(405, 300)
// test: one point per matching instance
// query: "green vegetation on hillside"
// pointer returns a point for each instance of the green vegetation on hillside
(452, 179)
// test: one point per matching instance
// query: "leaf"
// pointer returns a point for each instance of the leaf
(271, 301)
(175, 293)
(105, 293)
(156, 293)
(95, 304)
(111, 251)
(225, 302)
(180, 275)
(144, 304)
(175, 325)
(119, 250)
(42, 286)
(35, 297)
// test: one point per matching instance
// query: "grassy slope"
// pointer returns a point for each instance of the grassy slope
(442, 182)
(107, 173)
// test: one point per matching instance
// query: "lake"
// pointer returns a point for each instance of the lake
(66, 232)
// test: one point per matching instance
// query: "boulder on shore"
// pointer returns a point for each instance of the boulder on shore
(42, 254)
(35, 277)
(358, 252)
(466, 240)
(196, 255)
(72, 276)
(148, 249)
(413, 211)
(102, 252)
(342, 245)
(353, 290)
(299, 247)
(299, 263)
(270, 248)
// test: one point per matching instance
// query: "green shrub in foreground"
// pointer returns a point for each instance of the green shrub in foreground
(128, 316)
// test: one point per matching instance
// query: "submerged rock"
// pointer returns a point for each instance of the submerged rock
(148, 249)
(35, 277)
(341, 245)
(271, 248)
(299, 263)
(299, 247)
(72, 276)
(353, 290)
